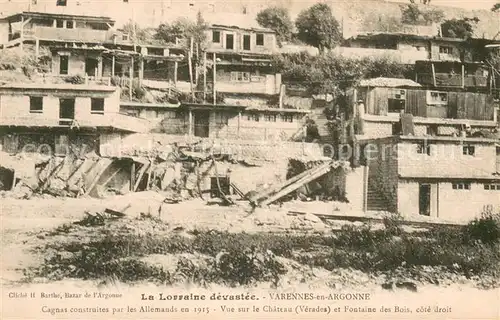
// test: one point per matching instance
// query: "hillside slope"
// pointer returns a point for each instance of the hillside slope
(360, 15)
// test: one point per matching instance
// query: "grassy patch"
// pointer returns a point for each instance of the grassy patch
(244, 259)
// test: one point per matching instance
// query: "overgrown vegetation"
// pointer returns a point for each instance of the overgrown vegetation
(277, 19)
(318, 27)
(459, 28)
(25, 61)
(205, 257)
(412, 15)
(332, 73)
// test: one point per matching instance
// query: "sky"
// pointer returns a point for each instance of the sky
(467, 4)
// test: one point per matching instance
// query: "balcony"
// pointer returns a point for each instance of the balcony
(80, 35)
(112, 120)
(452, 80)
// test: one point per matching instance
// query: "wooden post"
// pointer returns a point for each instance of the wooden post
(37, 48)
(141, 70)
(190, 66)
(113, 61)
(463, 75)
(204, 76)
(99, 68)
(433, 74)
(176, 66)
(132, 177)
(131, 77)
(214, 77)
(239, 122)
(22, 33)
(190, 123)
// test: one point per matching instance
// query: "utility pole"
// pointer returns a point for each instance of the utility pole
(204, 76)
(214, 68)
(190, 66)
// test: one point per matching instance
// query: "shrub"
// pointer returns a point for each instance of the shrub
(76, 79)
(485, 229)
(244, 267)
(393, 224)
(360, 237)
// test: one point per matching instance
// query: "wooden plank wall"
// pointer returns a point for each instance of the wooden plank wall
(461, 105)
(452, 104)
(381, 101)
(416, 103)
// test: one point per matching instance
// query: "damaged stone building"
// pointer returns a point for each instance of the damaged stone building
(49, 123)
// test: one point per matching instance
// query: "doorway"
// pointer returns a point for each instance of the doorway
(201, 124)
(63, 64)
(66, 111)
(246, 42)
(91, 66)
(229, 41)
(424, 196)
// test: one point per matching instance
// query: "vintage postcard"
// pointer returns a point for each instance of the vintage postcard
(249, 159)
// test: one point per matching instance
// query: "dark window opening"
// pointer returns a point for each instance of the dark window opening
(62, 3)
(216, 36)
(97, 105)
(287, 118)
(253, 117)
(445, 49)
(396, 128)
(155, 51)
(260, 39)
(396, 105)
(59, 24)
(432, 130)
(66, 111)
(70, 25)
(469, 150)
(424, 148)
(63, 64)
(91, 66)
(492, 187)
(246, 42)
(424, 196)
(270, 117)
(229, 41)
(461, 186)
(36, 104)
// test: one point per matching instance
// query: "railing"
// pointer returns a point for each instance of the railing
(81, 35)
(452, 80)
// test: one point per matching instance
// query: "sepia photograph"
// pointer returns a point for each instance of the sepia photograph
(250, 159)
